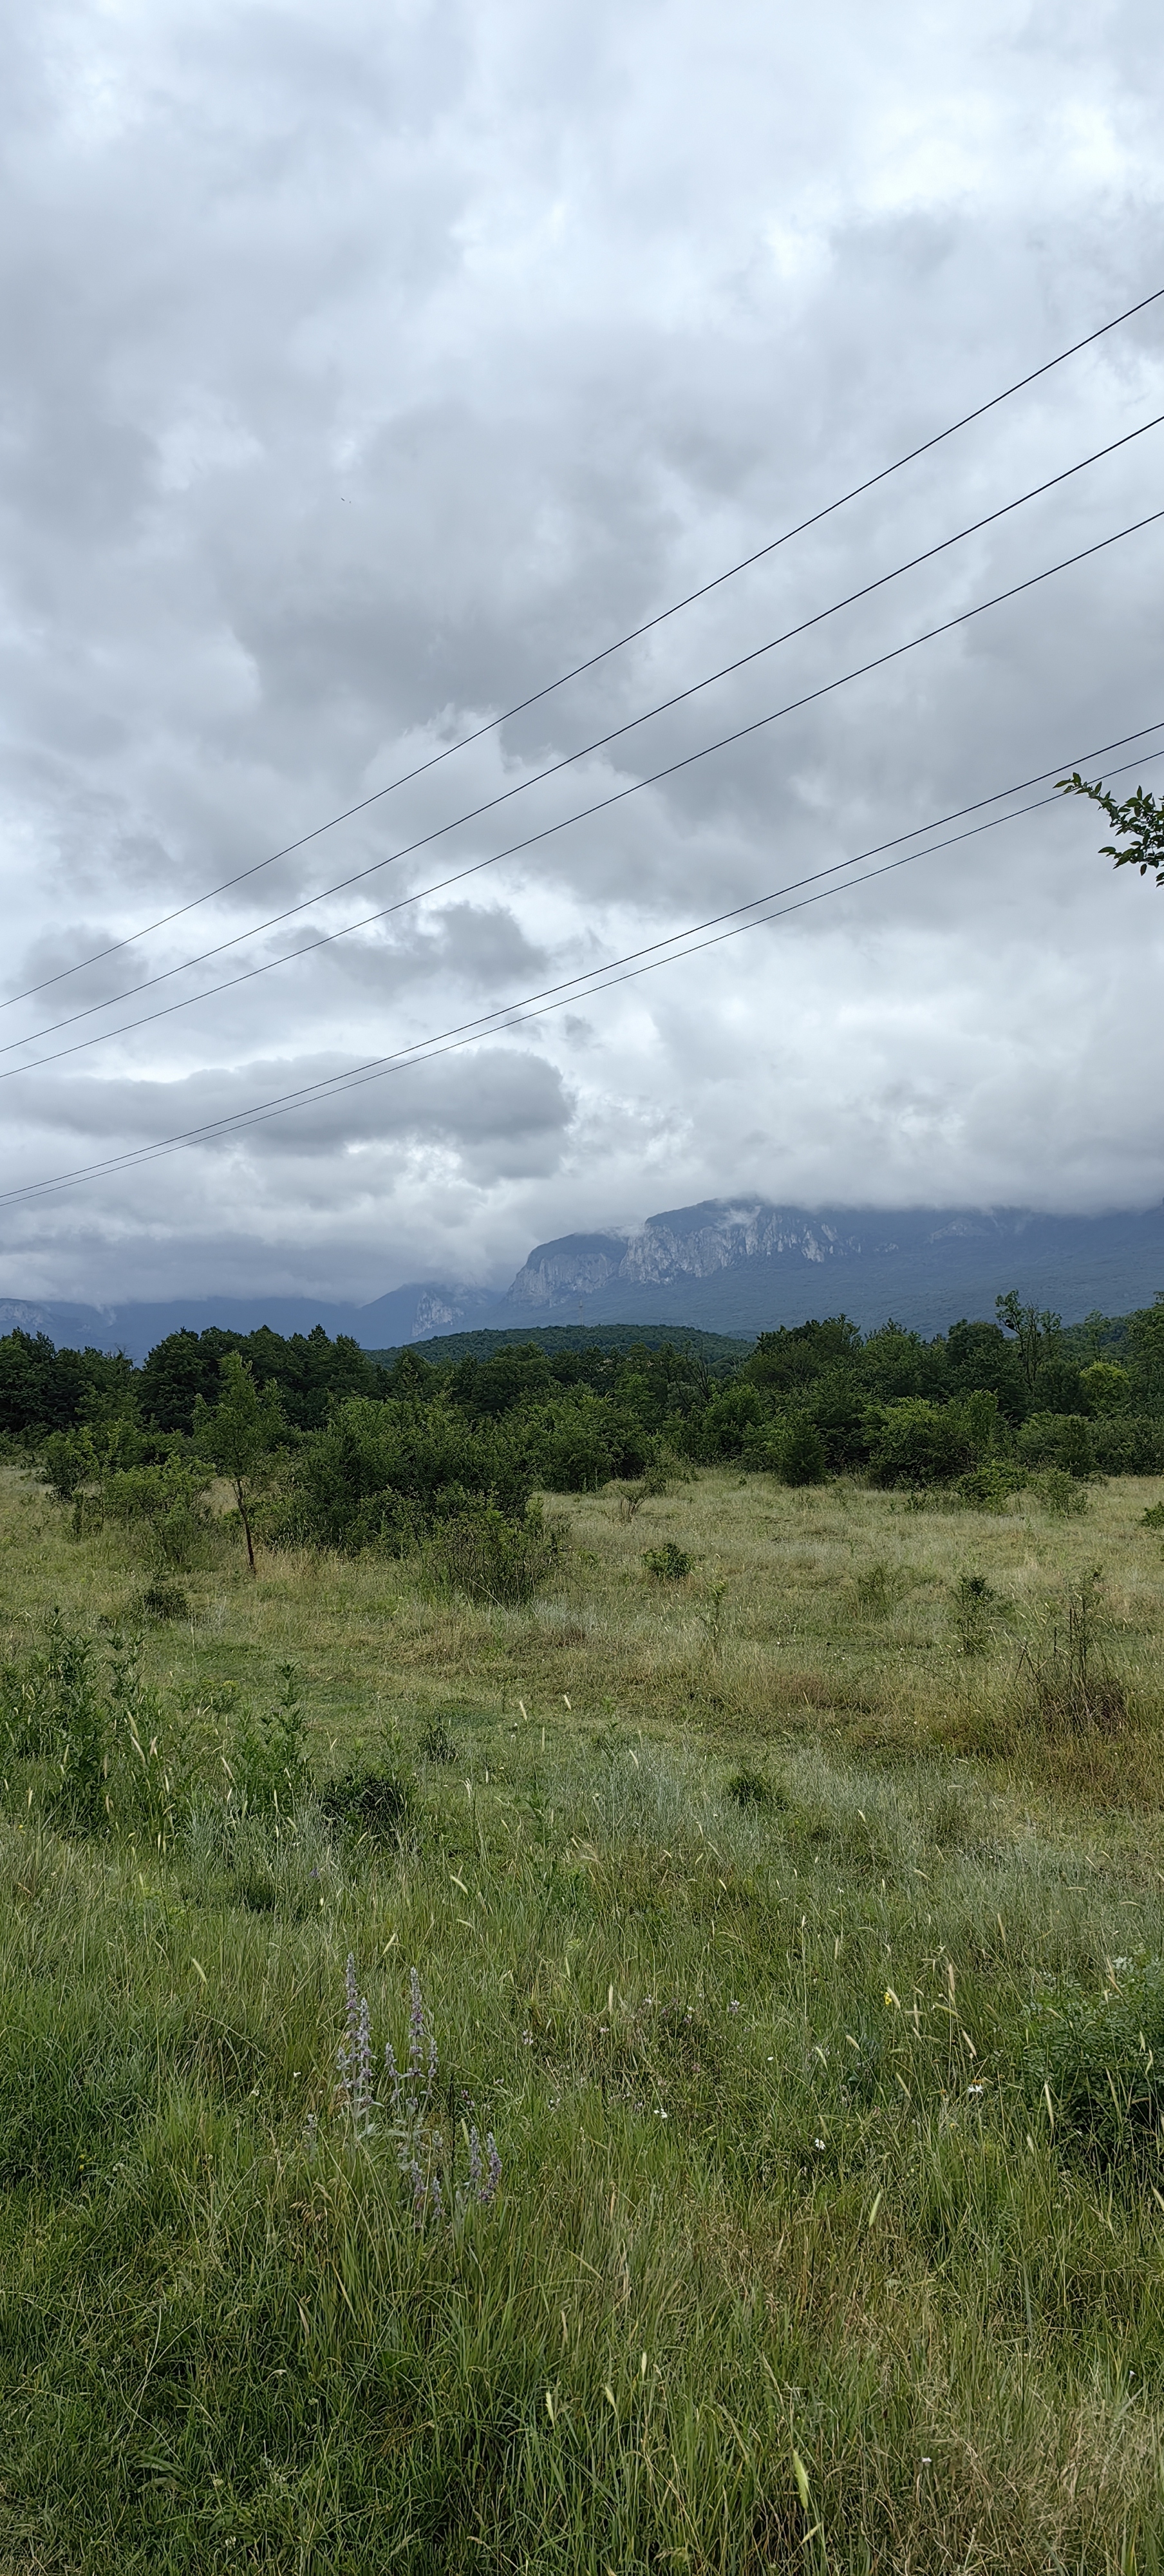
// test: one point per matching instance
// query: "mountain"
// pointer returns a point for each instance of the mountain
(737, 1266)
(405, 1315)
(730, 1266)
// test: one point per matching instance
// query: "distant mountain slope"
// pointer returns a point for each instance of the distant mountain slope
(731, 1266)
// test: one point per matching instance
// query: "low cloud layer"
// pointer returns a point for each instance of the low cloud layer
(370, 367)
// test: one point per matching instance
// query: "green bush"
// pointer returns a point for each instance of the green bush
(917, 1443)
(1063, 1440)
(1128, 1444)
(1059, 1492)
(491, 1557)
(668, 1563)
(385, 1475)
(381, 1806)
(800, 1452)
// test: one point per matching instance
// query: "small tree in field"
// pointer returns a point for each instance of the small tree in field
(239, 1435)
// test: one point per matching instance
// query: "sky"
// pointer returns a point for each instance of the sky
(371, 366)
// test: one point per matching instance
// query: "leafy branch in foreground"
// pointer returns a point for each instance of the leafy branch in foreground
(1140, 819)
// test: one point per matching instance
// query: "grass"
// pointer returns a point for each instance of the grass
(794, 1931)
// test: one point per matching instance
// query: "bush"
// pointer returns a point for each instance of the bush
(915, 1442)
(379, 1805)
(1130, 1444)
(165, 1601)
(991, 1487)
(1059, 1493)
(1065, 1691)
(490, 1557)
(668, 1563)
(800, 1452)
(385, 1475)
(1061, 1440)
(749, 1789)
(269, 1758)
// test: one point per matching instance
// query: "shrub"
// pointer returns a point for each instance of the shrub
(1059, 1493)
(1061, 1440)
(972, 1603)
(1065, 1691)
(165, 1601)
(749, 1789)
(380, 1805)
(269, 1758)
(668, 1563)
(1153, 1518)
(800, 1452)
(1130, 1444)
(491, 1557)
(991, 1487)
(387, 1474)
(915, 1442)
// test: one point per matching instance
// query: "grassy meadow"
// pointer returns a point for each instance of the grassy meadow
(793, 1924)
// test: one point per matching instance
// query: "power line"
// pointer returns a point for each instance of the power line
(598, 979)
(548, 831)
(633, 636)
(553, 769)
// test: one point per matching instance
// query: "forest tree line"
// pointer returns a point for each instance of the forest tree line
(328, 1444)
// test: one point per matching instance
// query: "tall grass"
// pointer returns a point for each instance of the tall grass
(829, 2228)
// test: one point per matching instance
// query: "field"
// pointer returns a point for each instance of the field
(793, 1923)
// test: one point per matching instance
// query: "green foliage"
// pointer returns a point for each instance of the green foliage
(914, 1442)
(974, 1600)
(1059, 1492)
(1153, 1518)
(82, 1732)
(991, 1487)
(800, 1452)
(1100, 2057)
(1062, 1440)
(269, 1761)
(1139, 820)
(1037, 1334)
(489, 1556)
(377, 1806)
(43, 1389)
(669, 1562)
(240, 1436)
(385, 1474)
(312, 1374)
(1106, 1387)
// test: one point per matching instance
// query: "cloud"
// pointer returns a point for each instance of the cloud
(369, 367)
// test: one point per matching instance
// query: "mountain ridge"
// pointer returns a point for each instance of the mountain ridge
(734, 1266)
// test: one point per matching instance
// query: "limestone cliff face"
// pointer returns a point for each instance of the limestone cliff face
(577, 1265)
(689, 1243)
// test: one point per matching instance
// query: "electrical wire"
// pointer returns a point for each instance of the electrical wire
(634, 635)
(619, 796)
(620, 970)
(554, 769)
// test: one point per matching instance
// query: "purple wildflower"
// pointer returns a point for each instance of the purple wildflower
(492, 2180)
(474, 2164)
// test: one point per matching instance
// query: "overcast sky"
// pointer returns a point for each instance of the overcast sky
(367, 366)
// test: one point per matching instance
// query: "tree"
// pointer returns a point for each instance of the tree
(1140, 820)
(239, 1436)
(1038, 1335)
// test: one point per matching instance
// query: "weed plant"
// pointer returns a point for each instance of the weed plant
(810, 1988)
